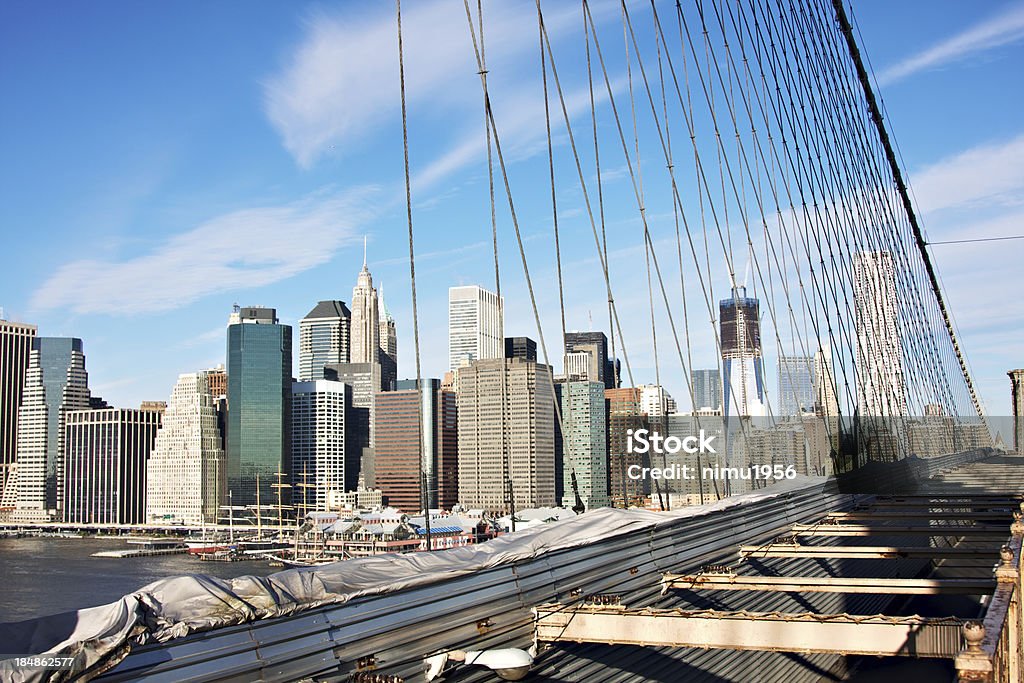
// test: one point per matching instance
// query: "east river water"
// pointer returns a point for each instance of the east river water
(41, 576)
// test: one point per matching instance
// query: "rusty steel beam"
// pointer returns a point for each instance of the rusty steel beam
(986, 532)
(948, 501)
(867, 552)
(922, 514)
(771, 631)
(828, 584)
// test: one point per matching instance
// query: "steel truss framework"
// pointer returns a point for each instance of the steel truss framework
(988, 649)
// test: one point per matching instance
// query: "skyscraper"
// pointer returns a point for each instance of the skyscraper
(365, 319)
(474, 325)
(365, 381)
(625, 415)
(602, 368)
(796, 385)
(319, 412)
(825, 400)
(506, 434)
(323, 338)
(655, 401)
(105, 464)
(742, 366)
(55, 382)
(15, 347)
(881, 387)
(217, 378)
(187, 472)
(707, 389)
(584, 443)
(694, 490)
(521, 347)
(417, 440)
(388, 354)
(576, 366)
(259, 404)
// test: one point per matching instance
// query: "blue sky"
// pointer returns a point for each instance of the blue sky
(164, 161)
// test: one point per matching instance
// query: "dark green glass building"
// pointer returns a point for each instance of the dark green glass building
(259, 406)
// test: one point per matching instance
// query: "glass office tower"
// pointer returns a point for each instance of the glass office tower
(707, 389)
(259, 406)
(55, 382)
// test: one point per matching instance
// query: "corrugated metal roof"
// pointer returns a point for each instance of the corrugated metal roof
(482, 609)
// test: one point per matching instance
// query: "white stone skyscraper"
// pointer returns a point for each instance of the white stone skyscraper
(655, 401)
(825, 399)
(365, 339)
(187, 472)
(474, 325)
(319, 409)
(55, 383)
(881, 387)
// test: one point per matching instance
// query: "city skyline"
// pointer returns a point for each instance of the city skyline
(776, 385)
(681, 297)
(131, 228)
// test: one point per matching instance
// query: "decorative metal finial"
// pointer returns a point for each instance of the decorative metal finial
(974, 633)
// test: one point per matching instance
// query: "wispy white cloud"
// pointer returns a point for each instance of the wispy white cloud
(241, 249)
(340, 84)
(431, 255)
(991, 173)
(203, 338)
(100, 389)
(978, 193)
(520, 136)
(997, 31)
(332, 89)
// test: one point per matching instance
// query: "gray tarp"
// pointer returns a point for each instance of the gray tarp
(99, 637)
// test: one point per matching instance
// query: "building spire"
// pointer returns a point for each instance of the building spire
(364, 252)
(383, 307)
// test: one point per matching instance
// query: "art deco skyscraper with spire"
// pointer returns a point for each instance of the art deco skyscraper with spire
(388, 338)
(365, 318)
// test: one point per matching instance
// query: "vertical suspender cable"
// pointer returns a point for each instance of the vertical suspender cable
(424, 482)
